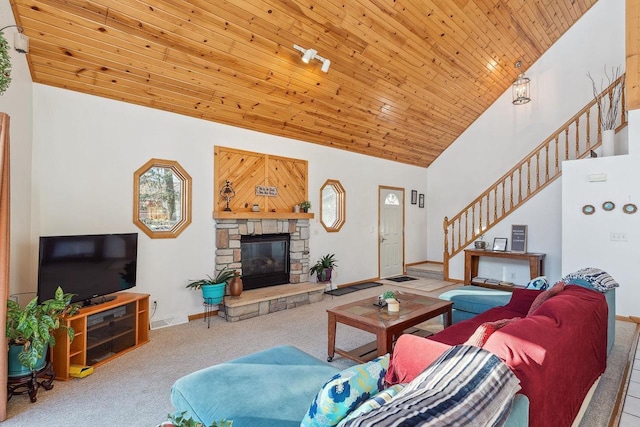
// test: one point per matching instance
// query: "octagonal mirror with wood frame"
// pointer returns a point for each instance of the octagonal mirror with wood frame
(333, 201)
(161, 198)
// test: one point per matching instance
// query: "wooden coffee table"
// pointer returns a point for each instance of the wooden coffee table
(367, 316)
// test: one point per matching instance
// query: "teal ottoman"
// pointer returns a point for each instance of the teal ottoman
(468, 301)
(270, 388)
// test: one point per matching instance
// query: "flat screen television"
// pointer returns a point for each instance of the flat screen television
(89, 266)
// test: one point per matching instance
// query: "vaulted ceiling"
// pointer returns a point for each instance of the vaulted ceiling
(407, 77)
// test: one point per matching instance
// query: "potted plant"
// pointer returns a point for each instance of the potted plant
(213, 289)
(5, 64)
(608, 107)
(305, 205)
(30, 330)
(324, 267)
(392, 301)
(180, 420)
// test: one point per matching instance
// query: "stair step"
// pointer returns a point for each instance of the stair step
(427, 270)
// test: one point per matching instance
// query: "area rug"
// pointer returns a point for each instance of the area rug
(353, 288)
(401, 279)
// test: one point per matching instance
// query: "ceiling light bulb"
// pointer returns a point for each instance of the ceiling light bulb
(309, 55)
(325, 66)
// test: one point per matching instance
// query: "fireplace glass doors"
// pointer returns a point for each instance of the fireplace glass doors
(265, 260)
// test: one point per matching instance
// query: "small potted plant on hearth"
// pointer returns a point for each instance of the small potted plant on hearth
(324, 267)
(30, 330)
(213, 288)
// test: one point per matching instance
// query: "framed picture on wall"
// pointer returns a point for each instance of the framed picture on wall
(500, 244)
(421, 202)
(414, 197)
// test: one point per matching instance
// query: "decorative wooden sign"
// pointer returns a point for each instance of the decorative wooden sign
(262, 190)
(519, 238)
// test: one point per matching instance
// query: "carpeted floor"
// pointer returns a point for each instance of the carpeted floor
(133, 390)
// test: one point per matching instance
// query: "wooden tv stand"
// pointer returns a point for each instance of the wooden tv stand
(102, 333)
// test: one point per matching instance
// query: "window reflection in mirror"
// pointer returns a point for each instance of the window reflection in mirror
(162, 198)
(333, 205)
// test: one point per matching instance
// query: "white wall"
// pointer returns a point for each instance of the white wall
(86, 150)
(505, 133)
(17, 102)
(586, 239)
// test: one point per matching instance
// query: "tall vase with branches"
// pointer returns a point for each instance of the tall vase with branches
(609, 105)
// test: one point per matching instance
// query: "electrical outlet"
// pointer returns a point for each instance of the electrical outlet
(618, 237)
(513, 276)
(155, 304)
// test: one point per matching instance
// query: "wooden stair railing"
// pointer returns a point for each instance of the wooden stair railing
(573, 140)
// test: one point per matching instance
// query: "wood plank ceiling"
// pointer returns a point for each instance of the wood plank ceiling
(407, 77)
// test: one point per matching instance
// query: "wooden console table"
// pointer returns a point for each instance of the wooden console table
(472, 259)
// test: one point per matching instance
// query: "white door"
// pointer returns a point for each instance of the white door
(391, 231)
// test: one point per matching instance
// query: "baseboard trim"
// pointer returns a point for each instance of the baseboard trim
(632, 319)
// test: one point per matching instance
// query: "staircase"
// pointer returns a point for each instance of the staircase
(573, 140)
(427, 270)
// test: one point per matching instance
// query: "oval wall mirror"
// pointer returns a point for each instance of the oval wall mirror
(161, 198)
(332, 205)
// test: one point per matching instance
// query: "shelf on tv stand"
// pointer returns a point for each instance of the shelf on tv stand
(105, 339)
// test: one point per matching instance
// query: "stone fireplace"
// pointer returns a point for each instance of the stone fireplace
(229, 233)
(264, 300)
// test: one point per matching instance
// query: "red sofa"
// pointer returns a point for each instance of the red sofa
(557, 351)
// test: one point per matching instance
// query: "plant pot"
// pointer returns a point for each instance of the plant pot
(16, 369)
(235, 286)
(393, 306)
(327, 275)
(213, 294)
(480, 244)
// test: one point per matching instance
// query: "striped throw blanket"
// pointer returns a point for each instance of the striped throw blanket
(466, 386)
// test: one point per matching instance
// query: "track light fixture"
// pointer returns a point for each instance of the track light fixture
(309, 54)
(20, 40)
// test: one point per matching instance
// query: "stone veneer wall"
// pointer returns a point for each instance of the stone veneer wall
(228, 232)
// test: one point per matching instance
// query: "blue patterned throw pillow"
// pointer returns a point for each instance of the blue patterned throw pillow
(540, 283)
(345, 391)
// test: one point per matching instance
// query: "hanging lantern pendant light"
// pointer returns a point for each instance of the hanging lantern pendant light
(520, 88)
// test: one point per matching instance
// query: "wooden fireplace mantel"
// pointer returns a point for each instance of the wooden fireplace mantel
(261, 215)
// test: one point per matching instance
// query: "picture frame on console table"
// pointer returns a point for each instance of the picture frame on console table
(519, 238)
(500, 244)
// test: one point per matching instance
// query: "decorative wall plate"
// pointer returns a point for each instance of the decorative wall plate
(588, 209)
(629, 208)
(608, 206)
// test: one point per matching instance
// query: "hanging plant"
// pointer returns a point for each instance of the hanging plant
(5, 64)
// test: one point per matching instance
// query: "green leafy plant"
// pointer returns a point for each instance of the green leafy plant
(388, 295)
(324, 264)
(5, 64)
(179, 420)
(32, 326)
(305, 205)
(223, 276)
